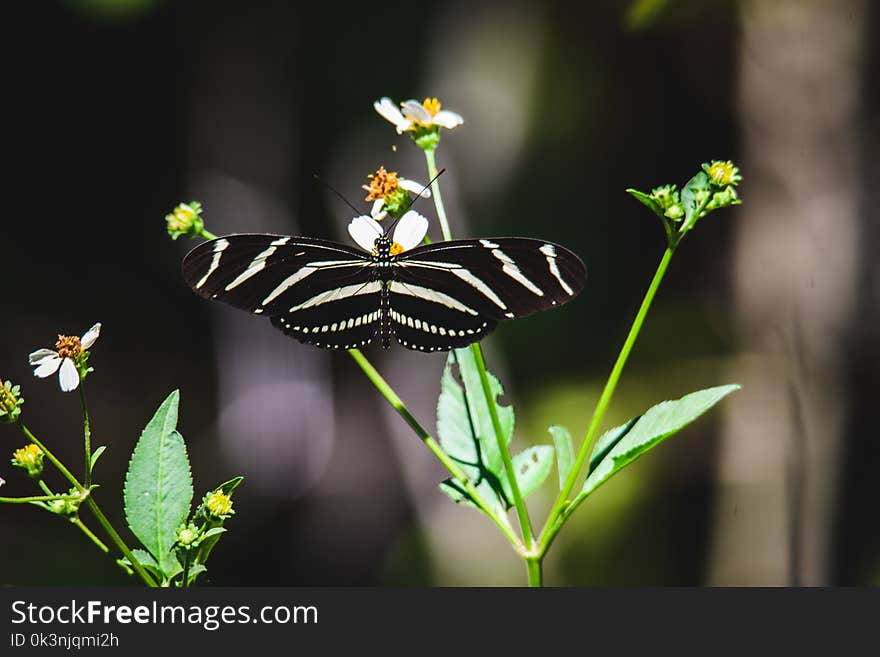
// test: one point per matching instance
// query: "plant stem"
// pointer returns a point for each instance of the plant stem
(116, 538)
(58, 464)
(85, 530)
(444, 458)
(184, 582)
(438, 201)
(551, 527)
(36, 498)
(99, 515)
(521, 510)
(533, 566)
(87, 434)
(208, 235)
(518, 501)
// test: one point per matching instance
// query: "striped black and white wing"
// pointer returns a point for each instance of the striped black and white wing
(450, 294)
(316, 291)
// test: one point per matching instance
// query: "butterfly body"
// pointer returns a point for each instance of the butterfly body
(432, 297)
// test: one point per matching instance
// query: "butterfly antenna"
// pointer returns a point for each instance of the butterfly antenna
(338, 194)
(412, 201)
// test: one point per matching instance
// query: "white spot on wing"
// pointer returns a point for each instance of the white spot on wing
(428, 294)
(550, 252)
(219, 246)
(514, 272)
(338, 293)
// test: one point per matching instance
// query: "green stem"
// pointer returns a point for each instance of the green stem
(435, 190)
(551, 527)
(208, 235)
(116, 538)
(99, 515)
(87, 434)
(49, 455)
(444, 458)
(518, 501)
(36, 498)
(184, 582)
(85, 530)
(521, 510)
(533, 566)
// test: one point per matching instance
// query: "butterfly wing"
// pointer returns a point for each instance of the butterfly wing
(463, 288)
(316, 291)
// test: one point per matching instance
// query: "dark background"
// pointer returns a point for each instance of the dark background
(120, 110)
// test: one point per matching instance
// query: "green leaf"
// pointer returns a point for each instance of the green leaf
(689, 195)
(532, 466)
(480, 418)
(623, 445)
(228, 486)
(465, 429)
(95, 456)
(146, 560)
(647, 201)
(195, 570)
(608, 440)
(564, 452)
(158, 485)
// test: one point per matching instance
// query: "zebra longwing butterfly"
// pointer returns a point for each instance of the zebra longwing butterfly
(431, 297)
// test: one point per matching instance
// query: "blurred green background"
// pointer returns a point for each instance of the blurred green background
(121, 109)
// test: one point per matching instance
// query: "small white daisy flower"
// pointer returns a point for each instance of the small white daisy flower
(413, 114)
(70, 354)
(408, 233)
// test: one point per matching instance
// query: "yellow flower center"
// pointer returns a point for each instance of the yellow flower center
(68, 346)
(181, 218)
(721, 173)
(27, 456)
(382, 183)
(432, 105)
(396, 249)
(219, 503)
(7, 400)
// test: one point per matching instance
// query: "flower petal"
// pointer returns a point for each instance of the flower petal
(415, 111)
(388, 110)
(376, 210)
(37, 357)
(448, 119)
(48, 366)
(364, 230)
(410, 230)
(90, 336)
(68, 377)
(2, 481)
(414, 187)
(404, 126)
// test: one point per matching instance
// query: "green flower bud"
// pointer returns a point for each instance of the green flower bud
(722, 173)
(188, 535)
(675, 212)
(29, 458)
(217, 505)
(68, 507)
(185, 219)
(10, 402)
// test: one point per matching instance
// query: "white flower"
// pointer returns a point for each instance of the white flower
(64, 361)
(408, 233)
(413, 114)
